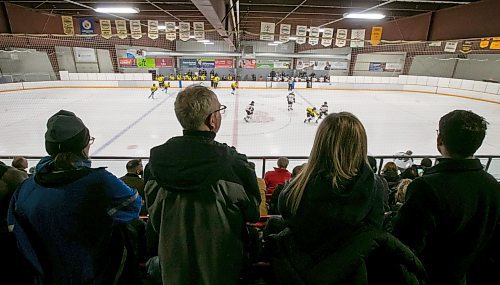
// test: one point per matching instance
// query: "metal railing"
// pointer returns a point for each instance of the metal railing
(116, 164)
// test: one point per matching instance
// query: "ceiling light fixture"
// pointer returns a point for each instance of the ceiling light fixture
(162, 27)
(272, 44)
(203, 41)
(117, 10)
(367, 16)
(209, 43)
(292, 38)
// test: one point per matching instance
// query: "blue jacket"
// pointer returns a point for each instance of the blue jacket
(63, 222)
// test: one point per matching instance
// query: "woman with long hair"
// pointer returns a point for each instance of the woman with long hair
(334, 212)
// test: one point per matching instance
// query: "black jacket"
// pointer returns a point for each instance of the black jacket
(200, 195)
(449, 217)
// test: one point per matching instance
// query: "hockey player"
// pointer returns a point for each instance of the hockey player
(311, 113)
(166, 86)
(323, 111)
(290, 99)
(161, 81)
(250, 108)
(153, 90)
(234, 85)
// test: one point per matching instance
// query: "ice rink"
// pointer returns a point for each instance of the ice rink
(126, 123)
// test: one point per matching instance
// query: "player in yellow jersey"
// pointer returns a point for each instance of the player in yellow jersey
(161, 81)
(234, 85)
(171, 77)
(311, 113)
(167, 85)
(153, 90)
(216, 81)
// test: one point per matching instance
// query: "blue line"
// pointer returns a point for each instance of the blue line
(303, 98)
(127, 128)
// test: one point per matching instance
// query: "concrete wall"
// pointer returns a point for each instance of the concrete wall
(361, 67)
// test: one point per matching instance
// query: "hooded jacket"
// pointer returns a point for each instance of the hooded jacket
(200, 195)
(335, 237)
(63, 222)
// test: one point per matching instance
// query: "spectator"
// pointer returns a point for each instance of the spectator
(277, 176)
(424, 165)
(404, 160)
(335, 212)
(381, 181)
(11, 269)
(134, 180)
(451, 213)
(390, 174)
(20, 163)
(262, 189)
(273, 203)
(63, 217)
(200, 195)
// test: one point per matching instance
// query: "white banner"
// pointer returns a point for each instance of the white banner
(341, 39)
(450, 46)
(184, 29)
(106, 29)
(267, 31)
(327, 37)
(358, 38)
(393, 66)
(170, 31)
(314, 36)
(199, 30)
(121, 28)
(301, 40)
(135, 29)
(301, 31)
(153, 29)
(285, 30)
(84, 54)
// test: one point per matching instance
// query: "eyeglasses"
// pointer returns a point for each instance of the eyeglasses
(221, 110)
(91, 140)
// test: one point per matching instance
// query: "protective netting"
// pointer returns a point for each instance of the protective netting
(41, 57)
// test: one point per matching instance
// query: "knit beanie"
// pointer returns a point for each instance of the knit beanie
(65, 133)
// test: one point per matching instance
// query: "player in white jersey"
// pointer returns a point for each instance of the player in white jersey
(250, 108)
(323, 111)
(290, 98)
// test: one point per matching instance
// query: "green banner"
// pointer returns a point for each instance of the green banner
(145, 62)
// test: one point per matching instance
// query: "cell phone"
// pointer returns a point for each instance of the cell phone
(420, 171)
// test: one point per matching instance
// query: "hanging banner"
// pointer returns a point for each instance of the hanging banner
(170, 31)
(127, 62)
(267, 31)
(67, 23)
(393, 66)
(224, 63)
(247, 63)
(435, 44)
(136, 53)
(327, 37)
(285, 30)
(495, 44)
(106, 29)
(358, 38)
(466, 47)
(484, 43)
(199, 30)
(152, 29)
(146, 63)
(314, 36)
(301, 33)
(376, 36)
(121, 28)
(282, 64)
(341, 39)
(184, 29)
(450, 46)
(87, 26)
(165, 62)
(135, 29)
(87, 55)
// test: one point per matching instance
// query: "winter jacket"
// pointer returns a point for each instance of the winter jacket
(200, 195)
(449, 218)
(361, 256)
(63, 222)
(134, 181)
(276, 177)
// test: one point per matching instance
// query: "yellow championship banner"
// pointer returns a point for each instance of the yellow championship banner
(484, 43)
(495, 44)
(67, 22)
(121, 28)
(106, 29)
(376, 36)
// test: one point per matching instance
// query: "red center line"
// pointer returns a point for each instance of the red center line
(235, 121)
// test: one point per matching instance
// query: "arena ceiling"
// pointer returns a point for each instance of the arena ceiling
(251, 12)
